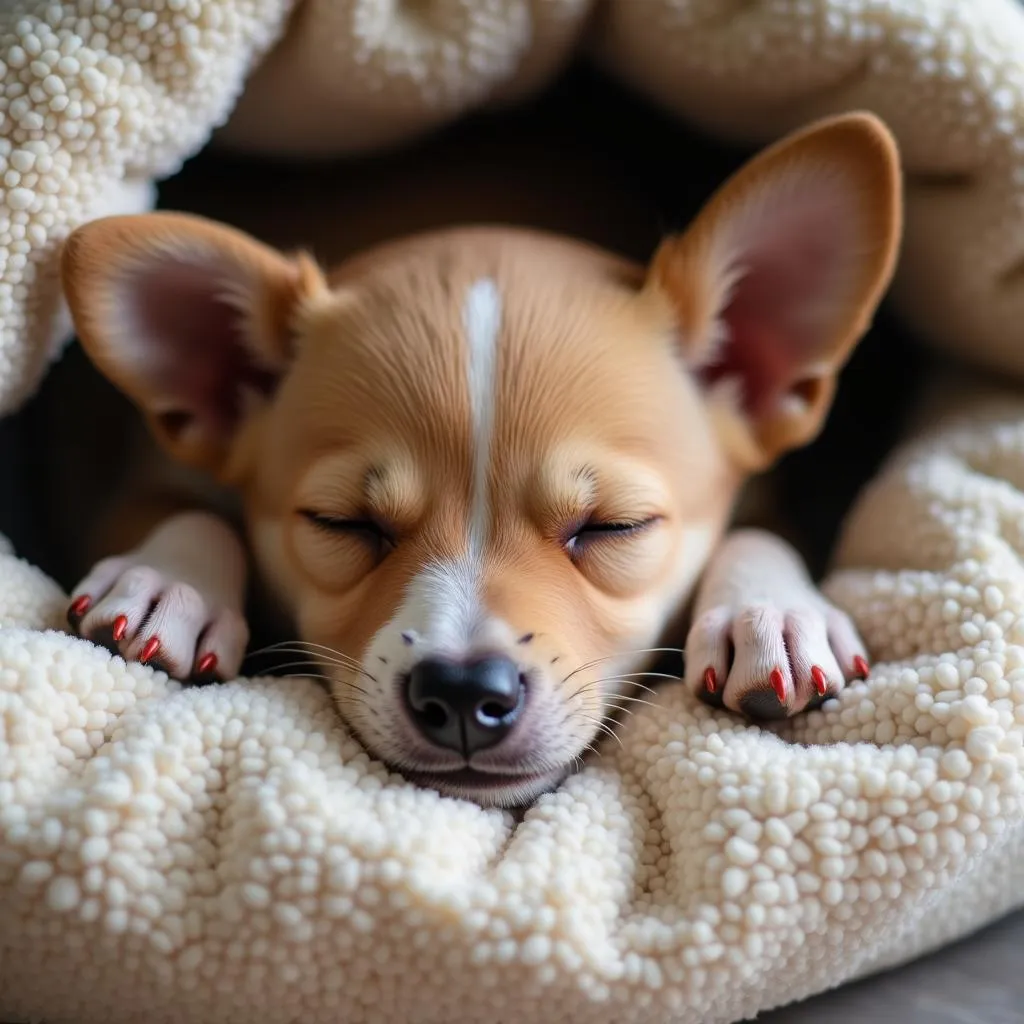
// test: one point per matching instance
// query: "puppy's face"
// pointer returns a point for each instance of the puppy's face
(485, 467)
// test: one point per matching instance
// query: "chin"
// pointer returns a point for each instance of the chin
(488, 789)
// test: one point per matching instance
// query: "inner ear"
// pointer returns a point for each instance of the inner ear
(787, 278)
(186, 327)
(194, 321)
(780, 275)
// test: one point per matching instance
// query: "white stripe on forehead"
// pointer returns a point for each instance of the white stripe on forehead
(442, 610)
(441, 615)
(481, 319)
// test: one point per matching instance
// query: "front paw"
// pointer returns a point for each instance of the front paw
(148, 617)
(770, 661)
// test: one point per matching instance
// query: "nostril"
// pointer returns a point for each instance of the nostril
(503, 708)
(433, 714)
(492, 713)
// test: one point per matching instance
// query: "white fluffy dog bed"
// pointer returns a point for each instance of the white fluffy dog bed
(229, 854)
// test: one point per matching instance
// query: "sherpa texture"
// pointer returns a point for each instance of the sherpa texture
(230, 854)
(99, 97)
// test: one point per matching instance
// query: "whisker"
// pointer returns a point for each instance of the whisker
(580, 691)
(355, 686)
(608, 708)
(648, 689)
(623, 711)
(605, 731)
(625, 677)
(602, 727)
(340, 659)
(327, 656)
(300, 643)
(632, 700)
(307, 661)
(624, 654)
(620, 708)
(319, 659)
(617, 695)
(322, 658)
(320, 675)
(304, 675)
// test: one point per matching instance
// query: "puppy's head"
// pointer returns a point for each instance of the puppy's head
(485, 467)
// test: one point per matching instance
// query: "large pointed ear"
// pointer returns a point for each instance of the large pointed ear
(192, 320)
(780, 275)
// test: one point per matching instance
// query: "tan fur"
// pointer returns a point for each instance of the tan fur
(597, 416)
(615, 351)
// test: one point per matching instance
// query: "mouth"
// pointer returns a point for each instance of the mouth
(490, 789)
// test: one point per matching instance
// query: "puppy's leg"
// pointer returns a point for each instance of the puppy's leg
(764, 641)
(175, 601)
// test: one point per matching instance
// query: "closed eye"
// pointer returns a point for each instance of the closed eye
(594, 531)
(364, 527)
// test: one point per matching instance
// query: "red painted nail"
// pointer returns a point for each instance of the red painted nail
(120, 627)
(710, 680)
(207, 663)
(80, 605)
(819, 679)
(862, 668)
(778, 681)
(152, 646)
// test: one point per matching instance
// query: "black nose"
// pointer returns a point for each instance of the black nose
(465, 706)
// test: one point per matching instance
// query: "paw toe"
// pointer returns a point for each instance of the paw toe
(709, 654)
(816, 673)
(221, 648)
(170, 634)
(845, 641)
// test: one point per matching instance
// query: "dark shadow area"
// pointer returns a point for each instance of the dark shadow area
(17, 447)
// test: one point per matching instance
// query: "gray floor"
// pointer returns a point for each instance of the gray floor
(978, 981)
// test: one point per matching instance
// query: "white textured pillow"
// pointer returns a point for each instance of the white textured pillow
(230, 854)
(98, 98)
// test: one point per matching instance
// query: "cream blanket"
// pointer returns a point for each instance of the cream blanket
(229, 854)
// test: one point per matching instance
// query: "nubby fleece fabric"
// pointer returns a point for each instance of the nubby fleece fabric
(230, 854)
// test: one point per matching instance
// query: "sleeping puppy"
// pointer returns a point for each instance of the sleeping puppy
(483, 470)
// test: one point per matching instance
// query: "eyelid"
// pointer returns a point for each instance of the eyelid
(333, 523)
(594, 531)
(383, 483)
(333, 518)
(614, 524)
